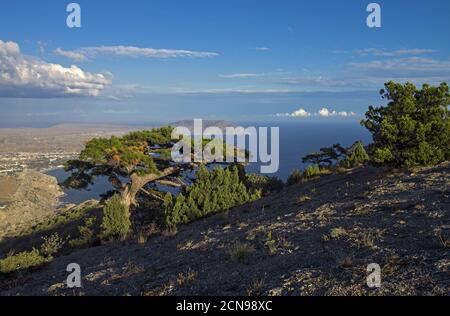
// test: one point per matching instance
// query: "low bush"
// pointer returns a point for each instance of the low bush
(309, 173)
(266, 184)
(52, 244)
(239, 252)
(295, 177)
(116, 219)
(356, 156)
(86, 234)
(23, 260)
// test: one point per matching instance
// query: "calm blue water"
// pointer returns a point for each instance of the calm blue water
(297, 139)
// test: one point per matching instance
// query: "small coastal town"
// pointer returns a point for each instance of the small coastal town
(43, 149)
(12, 163)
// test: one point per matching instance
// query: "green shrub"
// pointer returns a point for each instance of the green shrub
(312, 172)
(413, 129)
(356, 156)
(309, 173)
(116, 219)
(86, 234)
(240, 252)
(213, 191)
(23, 260)
(295, 177)
(52, 244)
(264, 183)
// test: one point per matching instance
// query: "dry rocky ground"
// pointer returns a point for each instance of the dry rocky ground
(26, 199)
(314, 238)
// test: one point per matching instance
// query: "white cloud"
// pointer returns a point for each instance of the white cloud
(382, 52)
(241, 75)
(70, 54)
(391, 53)
(135, 52)
(262, 48)
(28, 77)
(411, 67)
(346, 114)
(298, 113)
(325, 112)
(301, 113)
(372, 74)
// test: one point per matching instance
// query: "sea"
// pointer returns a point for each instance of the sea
(297, 139)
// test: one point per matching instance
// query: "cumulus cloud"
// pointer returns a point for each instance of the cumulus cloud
(298, 113)
(133, 52)
(325, 112)
(28, 77)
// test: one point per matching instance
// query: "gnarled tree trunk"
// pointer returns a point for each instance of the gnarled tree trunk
(137, 183)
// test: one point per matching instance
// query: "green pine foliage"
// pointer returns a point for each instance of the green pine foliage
(213, 191)
(356, 156)
(413, 129)
(23, 260)
(264, 183)
(311, 172)
(295, 177)
(116, 219)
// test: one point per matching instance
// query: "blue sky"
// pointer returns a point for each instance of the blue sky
(145, 61)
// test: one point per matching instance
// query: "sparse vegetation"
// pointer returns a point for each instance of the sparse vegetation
(335, 233)
(443, 240)
(295, 177)
(240, 252)
(311, 172)
(52, 244)
(302, 199)
(256, 288)
(187, 278)
(86, 234)
(271, 244)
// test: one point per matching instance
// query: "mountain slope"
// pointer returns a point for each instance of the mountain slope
(315, 238)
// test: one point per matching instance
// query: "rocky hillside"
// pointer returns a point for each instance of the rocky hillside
(26, 198)
(315, 238)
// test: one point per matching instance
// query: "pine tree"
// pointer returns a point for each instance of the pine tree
(211, 192)
(356, 156)
(413, 129)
